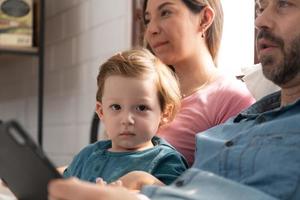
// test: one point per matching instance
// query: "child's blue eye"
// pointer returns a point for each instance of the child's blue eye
(142, 108)
(115, 107)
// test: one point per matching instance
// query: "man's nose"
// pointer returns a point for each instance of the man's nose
(265, 19)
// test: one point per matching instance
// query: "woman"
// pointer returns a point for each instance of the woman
(186, 34)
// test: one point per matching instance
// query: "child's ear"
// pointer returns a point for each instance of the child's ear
(164, 119)
(99, 109)
(165, 116)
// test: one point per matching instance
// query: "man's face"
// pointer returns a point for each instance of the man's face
(278, 40)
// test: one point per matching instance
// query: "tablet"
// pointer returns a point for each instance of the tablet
(24, 167)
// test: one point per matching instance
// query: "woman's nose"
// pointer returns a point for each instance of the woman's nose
(152, 28)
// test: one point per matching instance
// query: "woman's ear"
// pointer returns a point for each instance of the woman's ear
(99, 109)
(207, 17)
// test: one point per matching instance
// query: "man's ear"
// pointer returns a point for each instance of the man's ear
(207, 17)
(99, 109)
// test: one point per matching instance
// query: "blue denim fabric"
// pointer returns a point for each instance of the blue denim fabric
(196, 184)
(259, 148)
(256, 153)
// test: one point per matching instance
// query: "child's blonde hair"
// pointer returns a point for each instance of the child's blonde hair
(141, 63)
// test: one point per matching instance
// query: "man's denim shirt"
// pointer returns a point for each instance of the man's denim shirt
(259, 148)
(255, 155)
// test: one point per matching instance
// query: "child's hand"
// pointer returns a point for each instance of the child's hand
(100, 181)
(117, 183)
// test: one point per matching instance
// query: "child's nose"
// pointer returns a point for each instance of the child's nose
(128, 119)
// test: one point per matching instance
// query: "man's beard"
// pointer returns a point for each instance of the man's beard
(288, 67)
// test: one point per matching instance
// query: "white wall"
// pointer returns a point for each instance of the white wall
(80, 35)
(237, 46)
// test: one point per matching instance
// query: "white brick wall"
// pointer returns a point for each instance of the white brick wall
(80, 35)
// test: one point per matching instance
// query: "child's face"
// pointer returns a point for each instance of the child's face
(130, 111)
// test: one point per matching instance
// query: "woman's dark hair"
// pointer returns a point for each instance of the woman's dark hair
(193, 5)
(214, 32)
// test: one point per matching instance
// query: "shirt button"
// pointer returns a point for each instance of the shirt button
(229, 143)
(179, 183)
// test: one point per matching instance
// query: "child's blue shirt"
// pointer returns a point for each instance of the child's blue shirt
(162, 161)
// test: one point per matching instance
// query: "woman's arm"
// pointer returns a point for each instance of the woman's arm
(135, 180)
(74, 189)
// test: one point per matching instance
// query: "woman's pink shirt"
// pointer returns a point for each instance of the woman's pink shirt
(204, 109)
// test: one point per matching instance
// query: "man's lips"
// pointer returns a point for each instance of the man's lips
(265, 45)
(159, 44)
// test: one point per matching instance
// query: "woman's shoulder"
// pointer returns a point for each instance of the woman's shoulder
(230, 87)
(223, 92)
(224, 82)
(223, 86)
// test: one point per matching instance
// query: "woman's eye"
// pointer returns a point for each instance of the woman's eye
(141, 108)
(115, 107)
(165, 13)
(146, 21)
(283, 3)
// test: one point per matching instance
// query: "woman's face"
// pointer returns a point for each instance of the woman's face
(172, 30)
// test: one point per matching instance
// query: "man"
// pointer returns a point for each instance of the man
(255, 155)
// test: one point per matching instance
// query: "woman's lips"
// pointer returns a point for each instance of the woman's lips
(159, 44)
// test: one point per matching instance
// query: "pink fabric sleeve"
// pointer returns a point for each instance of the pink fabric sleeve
(230, 101)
